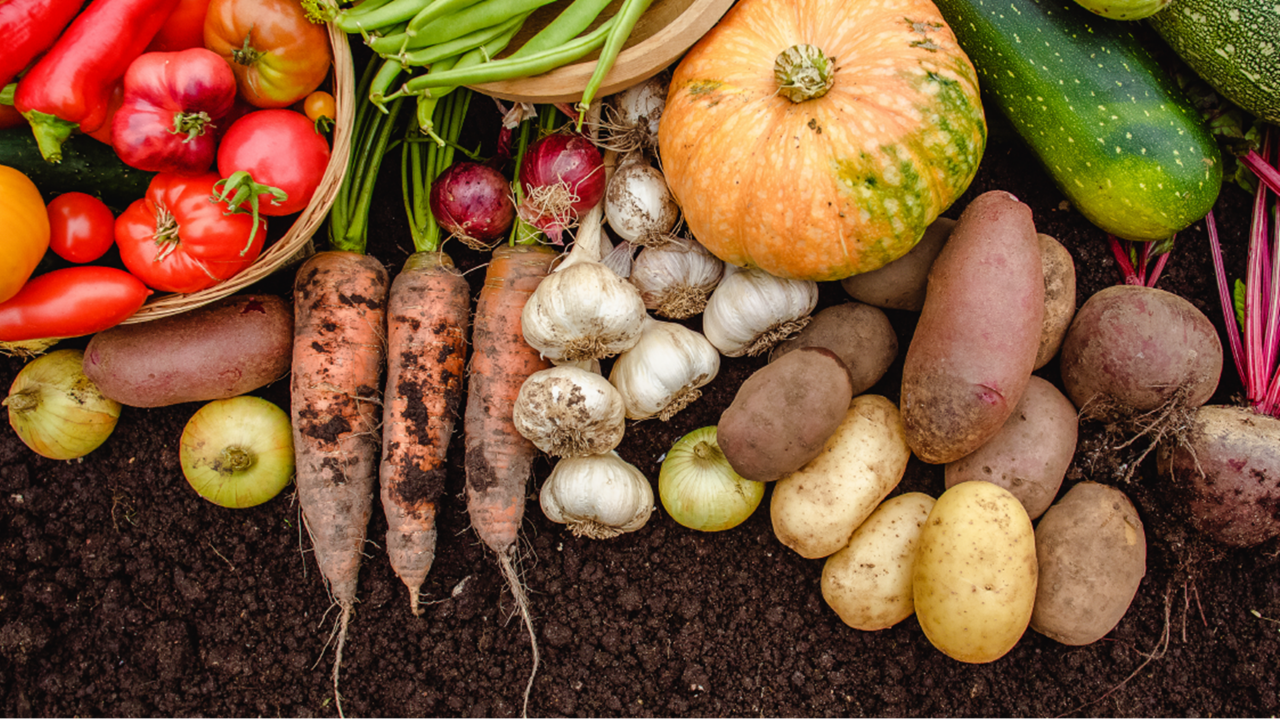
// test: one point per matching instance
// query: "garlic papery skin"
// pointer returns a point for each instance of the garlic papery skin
(699, 488)
(638, 204)
(583, 310)
(634, 115)
(567, 411)
(597, 496)
(56, 410)
(676, 279)
(663, 372)
(750, 311)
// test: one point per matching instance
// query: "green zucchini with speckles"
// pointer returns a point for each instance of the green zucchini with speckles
(1113, 130)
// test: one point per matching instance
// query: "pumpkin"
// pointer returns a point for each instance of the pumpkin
(817, 139)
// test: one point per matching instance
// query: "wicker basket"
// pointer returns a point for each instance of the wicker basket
(296, 242)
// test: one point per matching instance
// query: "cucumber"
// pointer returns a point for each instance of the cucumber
(87, 166)
(1124, 9)
(1232, 45)
(1114, 132)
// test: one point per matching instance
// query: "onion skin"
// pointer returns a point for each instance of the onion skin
(238, 452)
(472, 201)
(700, 490)
(562, 176)
(56, 410)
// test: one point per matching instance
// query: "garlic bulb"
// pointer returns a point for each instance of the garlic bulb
(750, 311)
(661, 374)
(599, 496)
(567, 411)
(635, 113)
(583, 310)
(676, 279)
(638, 204)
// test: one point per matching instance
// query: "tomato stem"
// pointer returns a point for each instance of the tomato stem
(246, 54)
(166, 234)
(191, 124)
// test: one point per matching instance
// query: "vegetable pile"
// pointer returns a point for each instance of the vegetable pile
(789, 222)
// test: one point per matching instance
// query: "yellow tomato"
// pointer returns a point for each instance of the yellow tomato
(26, 223)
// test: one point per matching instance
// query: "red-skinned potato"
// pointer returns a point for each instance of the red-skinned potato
(1224, 471)
(1059, 297)
(859, 333)
(226, 348)
(1030, 455)
(783, 414)
(1131, 349)
(1092, 554)
(900, 285)
(976, 341)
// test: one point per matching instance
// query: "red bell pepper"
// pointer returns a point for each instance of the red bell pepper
(172, 103)
(70, 87)
(71, 302)
(29, 27)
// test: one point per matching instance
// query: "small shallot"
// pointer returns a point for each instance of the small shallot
(561, 176)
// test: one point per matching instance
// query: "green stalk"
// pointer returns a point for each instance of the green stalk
(422, 159)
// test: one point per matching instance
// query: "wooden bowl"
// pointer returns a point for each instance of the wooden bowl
(665, 31)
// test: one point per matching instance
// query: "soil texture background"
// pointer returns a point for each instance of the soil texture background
(123, 593)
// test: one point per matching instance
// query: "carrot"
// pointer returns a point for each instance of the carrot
(498, 458)
(339, 325)
(428, 314)
(340, 305)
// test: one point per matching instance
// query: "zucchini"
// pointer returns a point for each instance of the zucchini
(87, 166)
(1114, 132)
(1232, 45)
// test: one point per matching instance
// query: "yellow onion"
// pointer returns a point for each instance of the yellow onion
(700, 490)
(56, 410)
(238, 452)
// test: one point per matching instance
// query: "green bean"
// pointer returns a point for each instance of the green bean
(510, 67)
(437, 9)
(627, 18)
(387, 74)
(569, 24)
(361, 20)
(434, 53)
(486, 13)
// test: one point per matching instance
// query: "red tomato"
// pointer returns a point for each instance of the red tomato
(178, 239)
(183, 30)
(279, 149)
(81, 227)
(71, 302)
(277, 53)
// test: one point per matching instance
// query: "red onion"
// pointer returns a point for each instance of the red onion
(472, 202)
(562, 175)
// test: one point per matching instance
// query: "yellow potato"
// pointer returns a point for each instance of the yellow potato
(868, 583)
(816, 508)
(975, 574)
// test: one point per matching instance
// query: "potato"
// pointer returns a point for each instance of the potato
(224, 349)
(1131, 349)
(1092, 554)
(783, 414)
(1223, 471)
(868, 582)
(975, 575)
(859, 334)
(816, 508)
(1030, 455)
(1059, 297)
(900, 285)
(976, 341)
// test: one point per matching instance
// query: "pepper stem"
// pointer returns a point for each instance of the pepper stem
(804, 72)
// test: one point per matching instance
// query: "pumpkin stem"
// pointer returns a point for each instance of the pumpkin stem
(804, 72)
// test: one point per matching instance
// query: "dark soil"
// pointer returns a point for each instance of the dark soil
(123, 593)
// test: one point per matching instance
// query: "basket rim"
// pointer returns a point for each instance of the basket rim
(299, 235)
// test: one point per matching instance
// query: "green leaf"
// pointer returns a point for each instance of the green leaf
(1237, 299)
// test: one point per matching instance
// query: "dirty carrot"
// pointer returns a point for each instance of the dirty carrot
(427, 318)
(339, 348)
(339, 325)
